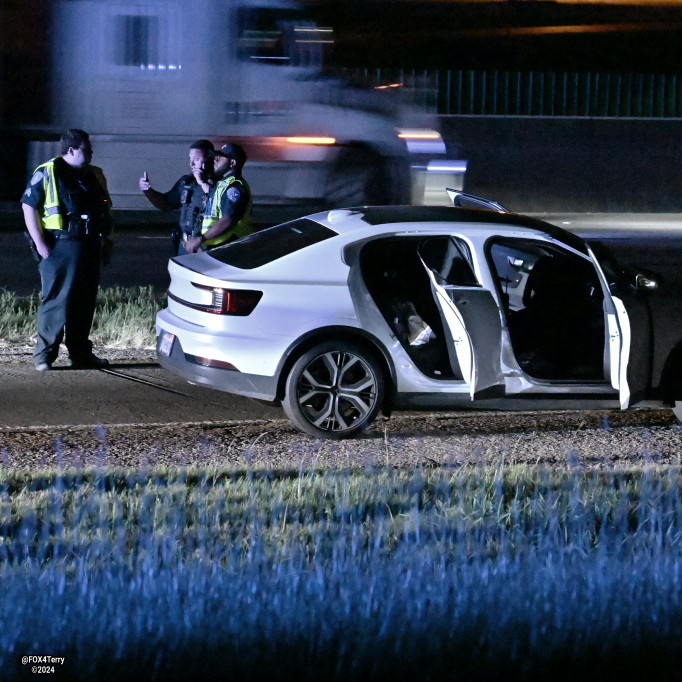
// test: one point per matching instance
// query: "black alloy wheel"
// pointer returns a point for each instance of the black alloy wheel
(334, 390)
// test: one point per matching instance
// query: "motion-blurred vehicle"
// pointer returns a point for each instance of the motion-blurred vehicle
(147, 77)
(345, 313)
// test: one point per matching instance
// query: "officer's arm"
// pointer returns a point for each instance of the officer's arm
(32, 220)
(223, 225)
(232, 208)
(158, 199)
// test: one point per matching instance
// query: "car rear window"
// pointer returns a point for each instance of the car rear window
(268, 245)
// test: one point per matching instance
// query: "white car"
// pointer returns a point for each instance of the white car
(341, 314)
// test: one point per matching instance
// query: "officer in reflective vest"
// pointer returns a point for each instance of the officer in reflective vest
(228, 213)
(67, 211)
(189, 194)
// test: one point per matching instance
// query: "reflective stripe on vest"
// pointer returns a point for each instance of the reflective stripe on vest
(52, 218)
(213, 214)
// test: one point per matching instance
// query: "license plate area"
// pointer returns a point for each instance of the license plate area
(166, 342)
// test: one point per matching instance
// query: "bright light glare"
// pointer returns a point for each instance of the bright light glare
(418, 134)
(311, 140)
(458, 166)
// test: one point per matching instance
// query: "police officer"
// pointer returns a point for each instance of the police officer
(228, 213)
(189, 193)
(67, 211)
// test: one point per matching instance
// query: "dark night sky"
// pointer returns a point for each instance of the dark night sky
(513, 34)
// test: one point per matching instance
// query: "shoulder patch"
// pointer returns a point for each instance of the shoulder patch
(37, 177)
(234, 193)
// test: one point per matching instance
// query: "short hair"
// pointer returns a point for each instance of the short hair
(205, 146)
(73, 137)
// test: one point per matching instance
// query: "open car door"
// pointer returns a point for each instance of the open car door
(619, 337)
(469, 313)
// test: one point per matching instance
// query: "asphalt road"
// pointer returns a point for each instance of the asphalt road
(140, 259)
(125, 393)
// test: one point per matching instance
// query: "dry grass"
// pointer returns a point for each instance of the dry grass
(124, 317)
(447, 574)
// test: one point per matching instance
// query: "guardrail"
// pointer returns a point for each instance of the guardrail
(534, 93)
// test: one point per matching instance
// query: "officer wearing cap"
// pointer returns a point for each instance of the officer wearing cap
(189, 194)
(67, 211)
(228, 212)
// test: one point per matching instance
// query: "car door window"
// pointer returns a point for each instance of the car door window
(553, 302)
(450, 260)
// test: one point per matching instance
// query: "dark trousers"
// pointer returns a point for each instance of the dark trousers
(70, 278)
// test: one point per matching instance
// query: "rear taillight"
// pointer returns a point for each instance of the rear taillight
(224, 301)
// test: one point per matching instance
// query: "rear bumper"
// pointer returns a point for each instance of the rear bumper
(230, 381)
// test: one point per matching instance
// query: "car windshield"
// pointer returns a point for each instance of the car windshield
(268, 245)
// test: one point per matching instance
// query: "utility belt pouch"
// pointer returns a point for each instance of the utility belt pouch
(82, 225)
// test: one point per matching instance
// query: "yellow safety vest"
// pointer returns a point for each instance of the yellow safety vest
(52, 217)
(213, 214)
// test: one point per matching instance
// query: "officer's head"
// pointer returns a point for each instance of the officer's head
(229, 158)
(76, 149)
(200, 159)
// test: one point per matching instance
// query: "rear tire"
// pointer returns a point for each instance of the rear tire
(334, 390)
(357, 179)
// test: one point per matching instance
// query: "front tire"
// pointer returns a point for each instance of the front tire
(334, 390)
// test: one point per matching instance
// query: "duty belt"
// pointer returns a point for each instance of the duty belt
(82, 225)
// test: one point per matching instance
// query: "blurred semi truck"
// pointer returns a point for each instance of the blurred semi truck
(147, 77)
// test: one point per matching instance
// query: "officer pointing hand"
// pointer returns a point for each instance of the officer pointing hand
(144, 183)
(188, 194)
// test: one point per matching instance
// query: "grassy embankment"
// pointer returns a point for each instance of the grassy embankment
(124, 317)
(445, 574)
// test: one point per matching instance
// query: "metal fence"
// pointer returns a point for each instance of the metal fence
(534, 93)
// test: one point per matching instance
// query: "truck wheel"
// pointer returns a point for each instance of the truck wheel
(677, 410)
(357, 179)
(334, 390)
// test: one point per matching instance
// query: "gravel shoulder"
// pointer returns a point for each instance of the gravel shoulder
(593, 440)
(15, 354)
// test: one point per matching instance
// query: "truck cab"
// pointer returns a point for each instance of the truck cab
(146, 78)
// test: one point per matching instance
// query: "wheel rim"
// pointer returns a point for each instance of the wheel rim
(336, 391)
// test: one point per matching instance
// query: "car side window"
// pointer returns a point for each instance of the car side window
(450, 260)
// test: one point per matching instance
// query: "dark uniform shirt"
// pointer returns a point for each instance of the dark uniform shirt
(189, 197)
(79, 191)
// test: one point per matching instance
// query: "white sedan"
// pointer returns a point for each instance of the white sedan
(342, 314)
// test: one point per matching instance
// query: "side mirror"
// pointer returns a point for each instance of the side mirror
(643, 283)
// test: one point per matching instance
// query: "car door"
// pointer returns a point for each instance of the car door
(565, 326)
(619, 336)
(631, 290)
(470, 313)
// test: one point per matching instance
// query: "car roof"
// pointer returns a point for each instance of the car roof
(351, 219)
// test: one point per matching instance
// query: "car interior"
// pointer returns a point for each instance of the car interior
(394, 274)
(553, 303)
